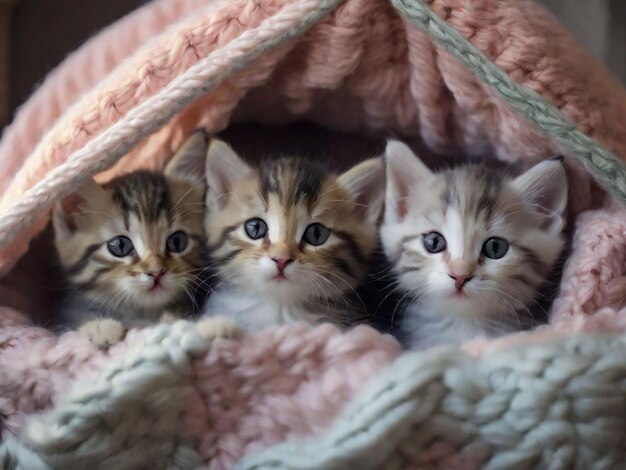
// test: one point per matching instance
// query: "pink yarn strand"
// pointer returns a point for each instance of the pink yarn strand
(106, 149)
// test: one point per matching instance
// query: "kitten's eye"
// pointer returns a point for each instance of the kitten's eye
(120, 246)
(176, 242)
(316, 234)
(256, 228)
(434, 242)
(495, 248)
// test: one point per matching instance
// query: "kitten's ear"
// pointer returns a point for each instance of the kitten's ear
(404, 171)
(544, 186)
(189, 162)
(365, 182)
(223, 169)
(66, 211)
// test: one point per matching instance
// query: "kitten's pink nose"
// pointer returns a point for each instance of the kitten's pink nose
(281, 263)
(156, 276)
(460, 279)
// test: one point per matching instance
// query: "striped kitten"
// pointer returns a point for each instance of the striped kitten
(470, 246)
(291, 242)
(131, 247)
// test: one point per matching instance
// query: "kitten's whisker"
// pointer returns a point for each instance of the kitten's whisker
(347, 284)
(388, 269)
(194, 304)
(233, 276)
(526, 307)
(186, 193)
(206, 280)
(341, 294)
(395, 289)
(509, 298)
(410, 292)
(104, 307)
(390, 285)
(197, 283)
(319, 291)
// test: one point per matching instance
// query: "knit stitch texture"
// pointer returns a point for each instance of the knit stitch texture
(550, 405)
(164, 398)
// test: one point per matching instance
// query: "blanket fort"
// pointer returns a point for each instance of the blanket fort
(481, 78)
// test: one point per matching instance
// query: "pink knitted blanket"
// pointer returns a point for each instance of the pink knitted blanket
(361, 69)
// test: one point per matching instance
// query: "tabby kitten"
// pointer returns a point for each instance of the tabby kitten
(132, 247)
(470, 246)
(290, 241)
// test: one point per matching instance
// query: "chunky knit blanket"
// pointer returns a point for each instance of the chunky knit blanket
(168, 398)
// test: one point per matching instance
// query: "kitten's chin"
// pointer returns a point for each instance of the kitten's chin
(152, 298)
(153, 301)
(287, 289)
(283, 290)
(464, 304)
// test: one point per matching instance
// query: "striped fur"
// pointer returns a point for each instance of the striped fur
(147, 207)
(469, 205)
(289, 194)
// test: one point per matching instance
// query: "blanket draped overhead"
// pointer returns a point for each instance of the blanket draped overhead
(480, 78)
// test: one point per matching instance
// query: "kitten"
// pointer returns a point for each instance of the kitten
(290, 241)
(469, 246)
(132, 248)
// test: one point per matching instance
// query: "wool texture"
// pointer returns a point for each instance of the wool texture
(166, 398)
(165, 393)
(608, 169)
(551, 405)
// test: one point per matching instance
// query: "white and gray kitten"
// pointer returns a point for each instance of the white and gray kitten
(470, 246)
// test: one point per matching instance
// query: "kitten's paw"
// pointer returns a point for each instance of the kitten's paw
(218, 327)
(103, 332)
(168, 317)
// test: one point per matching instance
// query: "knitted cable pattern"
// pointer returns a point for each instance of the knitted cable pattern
(558, 405)
(127, 416)
(63, 86)
(165, 399)
(360, 68)
(606, 167)
(163, 396)
(103, 151)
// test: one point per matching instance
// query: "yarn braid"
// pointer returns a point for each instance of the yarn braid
(142, 429)
(605, 167)
(293, 20)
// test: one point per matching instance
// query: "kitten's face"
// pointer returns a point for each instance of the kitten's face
(472, 242)
(288, 231)
(134, 243)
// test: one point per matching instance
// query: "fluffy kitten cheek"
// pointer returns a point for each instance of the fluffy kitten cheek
(417, 283)
(442, 285)
(251, 274)
(323, 284)
(518, 293)
(238, 272)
